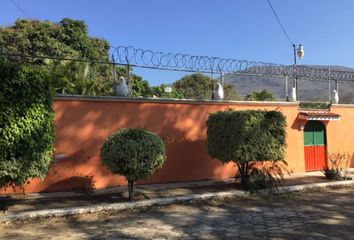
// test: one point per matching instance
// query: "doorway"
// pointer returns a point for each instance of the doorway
(315, 146)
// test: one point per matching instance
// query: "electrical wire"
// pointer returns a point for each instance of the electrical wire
(21, 9)
(280, 24)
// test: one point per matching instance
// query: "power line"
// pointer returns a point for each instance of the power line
(21, 9)
(280, 24)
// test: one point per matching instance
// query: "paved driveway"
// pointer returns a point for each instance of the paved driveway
(319, 215)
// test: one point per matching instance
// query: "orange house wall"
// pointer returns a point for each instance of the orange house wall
(340, 134)
(82, 125)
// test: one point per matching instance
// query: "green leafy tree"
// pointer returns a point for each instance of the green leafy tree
(245, 137)
(26, 123)
(194, 86)
(199, 86)
(159, 91)
(230, 92)
(133, 153)
(263, 95)
(70, 77)
(67, 39)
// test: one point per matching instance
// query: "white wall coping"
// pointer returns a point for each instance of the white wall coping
(342, 106)
(172, 100)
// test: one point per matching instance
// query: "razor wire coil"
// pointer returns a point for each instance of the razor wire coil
(128, 55)
(137, 57)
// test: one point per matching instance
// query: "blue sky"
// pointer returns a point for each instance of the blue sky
(243, 29)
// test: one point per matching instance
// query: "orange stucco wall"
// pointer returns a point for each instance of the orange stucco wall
(82, 125)
(340, 134)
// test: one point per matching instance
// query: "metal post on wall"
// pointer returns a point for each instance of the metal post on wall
(329, 85)
(129, 77)
(221, 76)
(286, 88)
(300, 53)
(114, 75)
(295, 75)
(129, 81)
(212, 85)
(222, 79)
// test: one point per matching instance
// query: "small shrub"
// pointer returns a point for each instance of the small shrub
(338, 164)
(133, 153)
(269, 176)
(332, 173)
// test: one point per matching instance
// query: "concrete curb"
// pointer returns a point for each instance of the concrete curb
(315, 185)
(60, 212)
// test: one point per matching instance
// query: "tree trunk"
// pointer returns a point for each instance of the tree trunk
(131, 190)
(243, 169)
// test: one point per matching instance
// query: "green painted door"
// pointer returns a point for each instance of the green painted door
(314, 134)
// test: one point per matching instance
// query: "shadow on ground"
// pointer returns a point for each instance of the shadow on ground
(320, 214)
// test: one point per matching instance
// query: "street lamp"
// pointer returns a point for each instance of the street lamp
(299, 51)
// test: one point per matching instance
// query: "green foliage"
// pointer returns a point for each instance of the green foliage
(270, 176)
(133, 153)
(26, 123)
(70, 77)
(313, 105)
(194, 86)
(246, 136)
(159, 91)
(263, 95)
(69, 39)
(337, 168)
(229, 92)
(332, 173)
(199, 86)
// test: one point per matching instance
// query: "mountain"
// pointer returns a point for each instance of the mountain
(309, 90)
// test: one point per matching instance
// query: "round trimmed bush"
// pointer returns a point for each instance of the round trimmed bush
(246, 137)
(133, 153)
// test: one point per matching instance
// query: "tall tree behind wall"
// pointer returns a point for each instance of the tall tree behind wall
(199, 86)
(66, 39)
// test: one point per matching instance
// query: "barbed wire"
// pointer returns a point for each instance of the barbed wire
(187, 62)
(128, 55)
(137, 57)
